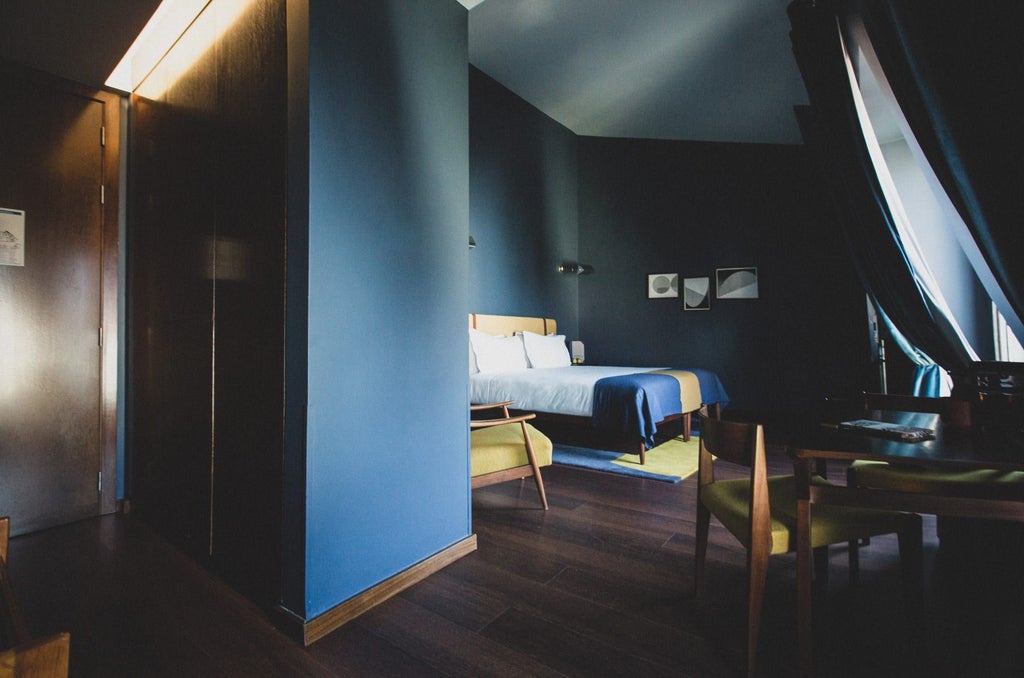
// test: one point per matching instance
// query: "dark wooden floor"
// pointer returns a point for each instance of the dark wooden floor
(597, 586)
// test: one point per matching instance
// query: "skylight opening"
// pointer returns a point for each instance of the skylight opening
(168, 23)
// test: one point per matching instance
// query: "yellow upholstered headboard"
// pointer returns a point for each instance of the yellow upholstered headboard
(510, 324)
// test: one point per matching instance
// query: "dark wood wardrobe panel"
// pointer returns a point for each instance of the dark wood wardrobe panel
(250, 258)
(207, 260)
(171, 324)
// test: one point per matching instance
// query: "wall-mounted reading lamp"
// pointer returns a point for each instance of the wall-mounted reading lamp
(573, 267)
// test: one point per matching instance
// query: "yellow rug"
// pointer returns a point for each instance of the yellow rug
(670, 462)
(672, 458)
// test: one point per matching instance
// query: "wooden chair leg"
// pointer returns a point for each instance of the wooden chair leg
(821, 568)
(534, 465)
(854, 555)
(912, 568)
(851, 481)
(701, 547)
(805, 637)
(687, 426)
(757, 568)
(540, 490)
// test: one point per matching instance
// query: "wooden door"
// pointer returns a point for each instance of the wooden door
(57, 408)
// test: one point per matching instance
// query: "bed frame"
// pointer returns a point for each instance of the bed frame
(510, 324)
(572, 429)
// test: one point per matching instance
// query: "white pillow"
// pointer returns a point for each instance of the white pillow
(474, 336)
(546, 351)
(497, 353)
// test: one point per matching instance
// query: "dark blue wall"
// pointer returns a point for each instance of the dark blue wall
(385, 459)
(689, 208)
(631, 207)
(523, 207)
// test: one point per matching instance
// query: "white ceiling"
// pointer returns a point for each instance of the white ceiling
(711, 70)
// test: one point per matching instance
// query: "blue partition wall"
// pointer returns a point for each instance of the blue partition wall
(523, 208)
(384, 463)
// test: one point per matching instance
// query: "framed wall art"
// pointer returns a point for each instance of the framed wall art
(12, 237)
(662, 285)
(736, 283)
(696, 294)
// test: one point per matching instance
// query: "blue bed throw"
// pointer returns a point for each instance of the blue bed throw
(634, 403)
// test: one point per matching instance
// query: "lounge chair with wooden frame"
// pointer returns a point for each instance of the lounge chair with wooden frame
(507, 448)
(761, 513)
(20, 655)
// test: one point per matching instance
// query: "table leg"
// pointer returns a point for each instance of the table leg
(805, 636)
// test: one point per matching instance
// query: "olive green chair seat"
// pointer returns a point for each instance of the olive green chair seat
(729, 501)
(989, 483)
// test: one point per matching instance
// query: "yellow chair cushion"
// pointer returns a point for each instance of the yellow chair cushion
(497, 448)
(982, 482)
(729, 501)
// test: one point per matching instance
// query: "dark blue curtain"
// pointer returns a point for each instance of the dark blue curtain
(832, 129)
(957, 71)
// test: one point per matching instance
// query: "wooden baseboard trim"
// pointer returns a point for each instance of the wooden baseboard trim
(318, 627)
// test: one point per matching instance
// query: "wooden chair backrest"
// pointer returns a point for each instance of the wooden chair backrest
(732, 441)
(741, 444)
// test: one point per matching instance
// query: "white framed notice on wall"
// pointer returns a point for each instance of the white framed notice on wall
(12, 237)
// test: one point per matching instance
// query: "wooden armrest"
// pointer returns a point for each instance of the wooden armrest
(491, 406)
(488, 406)
(13, 628)
(46, 658)
(484, 423)
(5, 533)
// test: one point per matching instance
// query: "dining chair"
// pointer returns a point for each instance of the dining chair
(880, 475)
(760, 511)
(507, 448)
(908, 478)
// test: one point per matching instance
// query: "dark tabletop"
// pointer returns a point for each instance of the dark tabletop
(992, 444)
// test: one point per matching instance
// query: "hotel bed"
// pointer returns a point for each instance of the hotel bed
(524, 360)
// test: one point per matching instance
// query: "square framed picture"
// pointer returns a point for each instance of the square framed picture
(696, 294)
(736, 283)
(662, 285)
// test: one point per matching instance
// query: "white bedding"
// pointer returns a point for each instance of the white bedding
(558, 390)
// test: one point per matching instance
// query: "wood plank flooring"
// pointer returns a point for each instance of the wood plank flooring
(599, 585)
